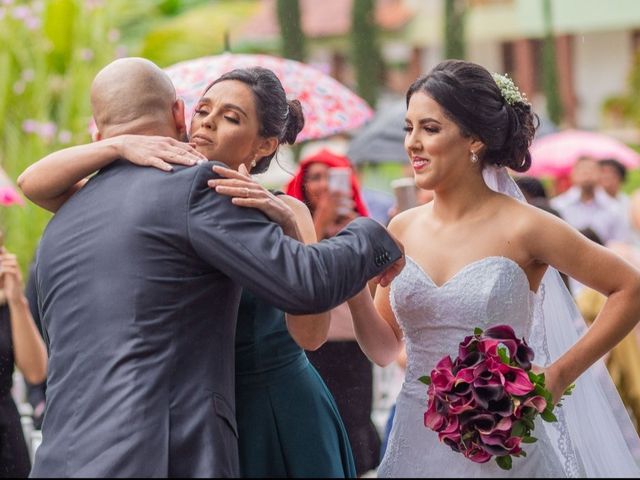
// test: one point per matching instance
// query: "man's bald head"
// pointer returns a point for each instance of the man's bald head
(131, 94)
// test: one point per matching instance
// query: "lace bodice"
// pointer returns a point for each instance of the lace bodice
(434, 319)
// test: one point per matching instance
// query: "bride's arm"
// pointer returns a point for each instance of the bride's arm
(557, 244)
(52, 180)
(374, 322)
(375, 326)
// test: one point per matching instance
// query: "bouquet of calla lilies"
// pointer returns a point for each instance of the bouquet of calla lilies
(483, 403)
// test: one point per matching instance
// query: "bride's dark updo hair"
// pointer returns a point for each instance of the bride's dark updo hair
(471, 98)
(277, 116)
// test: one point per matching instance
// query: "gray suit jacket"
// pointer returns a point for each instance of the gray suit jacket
(138, 278)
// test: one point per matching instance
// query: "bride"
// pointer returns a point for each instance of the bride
(477, 256)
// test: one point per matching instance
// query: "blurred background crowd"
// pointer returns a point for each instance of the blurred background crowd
(577, 61)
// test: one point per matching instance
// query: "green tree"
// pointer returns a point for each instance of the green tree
(293, 40)
(367, 58)
(549, 68)
(454, 21)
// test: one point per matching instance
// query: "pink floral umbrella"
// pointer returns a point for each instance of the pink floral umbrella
(329, 107)
(554, 154)
(8, 193)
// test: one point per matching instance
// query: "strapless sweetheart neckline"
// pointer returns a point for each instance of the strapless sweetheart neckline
(492, 290)
(470, 266)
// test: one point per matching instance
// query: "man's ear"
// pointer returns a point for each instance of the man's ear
(95, 131)
(179, 120)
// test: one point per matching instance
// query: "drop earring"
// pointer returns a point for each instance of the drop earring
(474, 157)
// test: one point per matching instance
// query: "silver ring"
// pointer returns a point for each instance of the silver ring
(246, 192)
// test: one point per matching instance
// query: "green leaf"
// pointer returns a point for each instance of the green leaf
(477, 331)
(548, 416)
(504, 462)
(426, 379)
(518, 429)
(528, 423)
(529, 439)
(569, 389)
(503, 353)
(540, 390)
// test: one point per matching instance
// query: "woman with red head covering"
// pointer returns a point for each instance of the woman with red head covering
(311, 185)
(345, 369)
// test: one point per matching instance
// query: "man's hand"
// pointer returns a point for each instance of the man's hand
(385, 278)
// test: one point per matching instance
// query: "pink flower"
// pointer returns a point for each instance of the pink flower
(8, 196)
(515, 379)
(441, 377)
(490, 346)
(467, 375)
(538, 402)
(462, 404)
(502, 332)
(433, 419)
(487, 386)
(480, 421)
(467, 346)
(504, 424)
(516, 382)
(499, 443)
(524, 355)
(451, 433)
(477, 454)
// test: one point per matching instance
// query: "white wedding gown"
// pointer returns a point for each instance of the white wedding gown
(490, 291)
(589, 438)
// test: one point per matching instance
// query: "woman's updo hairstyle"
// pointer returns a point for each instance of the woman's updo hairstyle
(472, 99)
(277, 116)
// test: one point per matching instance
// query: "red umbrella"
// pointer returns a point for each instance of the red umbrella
(8, 193)
(556, 153)
(329, 107)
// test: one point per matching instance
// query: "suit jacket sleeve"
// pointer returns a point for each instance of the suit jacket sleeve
(253, 251)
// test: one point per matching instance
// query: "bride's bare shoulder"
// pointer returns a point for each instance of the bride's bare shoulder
(403, 220)
(529, 218)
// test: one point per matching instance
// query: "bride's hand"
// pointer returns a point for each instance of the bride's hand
(158, 152)
(246, 192)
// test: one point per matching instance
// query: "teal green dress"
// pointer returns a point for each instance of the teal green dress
(288, 422)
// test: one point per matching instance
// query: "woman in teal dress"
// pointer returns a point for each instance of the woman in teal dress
(288, 422)
(289, 425)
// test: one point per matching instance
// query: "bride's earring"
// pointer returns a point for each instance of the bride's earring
(474, 157)
(253, 163)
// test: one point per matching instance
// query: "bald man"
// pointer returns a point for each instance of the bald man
(139, 277)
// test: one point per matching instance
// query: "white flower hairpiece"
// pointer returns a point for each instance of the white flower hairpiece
(508, 89)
